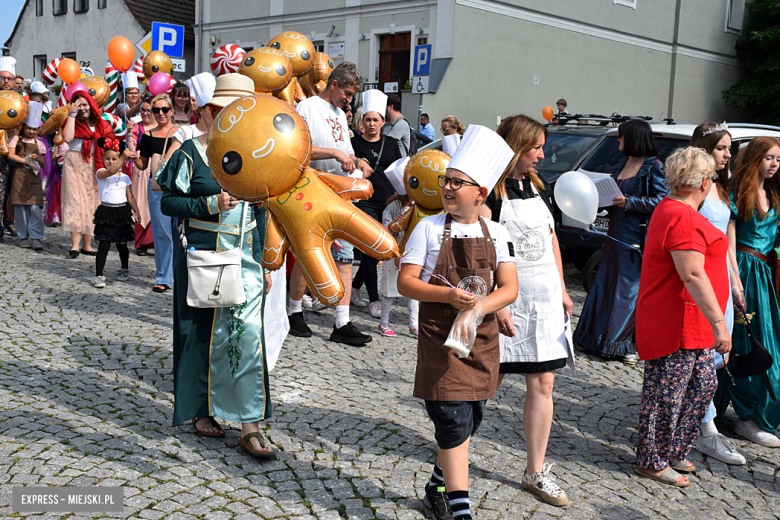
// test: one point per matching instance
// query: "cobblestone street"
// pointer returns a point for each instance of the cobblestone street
(86, 400)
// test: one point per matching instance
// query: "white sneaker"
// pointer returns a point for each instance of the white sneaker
(375, 309)
(99, 282)
(753, 432)
(306, 301)
(355, 299)
(721, 448)
(544, 486)
(316, 305)
(630, 359)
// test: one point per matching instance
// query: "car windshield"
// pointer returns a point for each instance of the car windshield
(607, 155)
(562, 150)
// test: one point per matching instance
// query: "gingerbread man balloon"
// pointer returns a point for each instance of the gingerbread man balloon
(13, 113)
(315, 81)
(259, 150)
(99, 90)
(421, 180)
(300, 51)
(268, 68)
(157, 61)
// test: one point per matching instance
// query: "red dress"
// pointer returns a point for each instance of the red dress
(667, 318)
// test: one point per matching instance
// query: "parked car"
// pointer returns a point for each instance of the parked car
(585, 246)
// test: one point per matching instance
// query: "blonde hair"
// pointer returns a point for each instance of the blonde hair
(521, 133)
(455, 123)
(688, 167)
(357, 118)
(162, 97)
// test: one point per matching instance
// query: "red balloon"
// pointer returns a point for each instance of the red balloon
(547, 113)
(69, 71)
(121, 53)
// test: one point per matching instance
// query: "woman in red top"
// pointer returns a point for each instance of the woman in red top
(683, 293)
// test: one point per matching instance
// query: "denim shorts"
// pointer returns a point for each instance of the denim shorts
(455, 421)
(346, 255)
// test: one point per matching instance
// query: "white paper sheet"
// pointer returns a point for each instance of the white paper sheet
(608, 190)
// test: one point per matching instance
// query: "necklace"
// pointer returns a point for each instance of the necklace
(674, 197)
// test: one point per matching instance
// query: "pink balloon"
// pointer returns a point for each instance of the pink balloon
(159, 83)
(73, 88)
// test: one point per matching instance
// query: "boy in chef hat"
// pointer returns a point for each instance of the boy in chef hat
(26, 195)
(473, 255)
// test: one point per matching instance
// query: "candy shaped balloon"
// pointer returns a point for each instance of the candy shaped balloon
(50, 73)
(227, 59)
(421, 180)
(268, 68)
(259, 149)
(13, 113)
(317, 77)
(155, 62)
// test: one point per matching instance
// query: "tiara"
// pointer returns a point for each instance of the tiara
(717, 128)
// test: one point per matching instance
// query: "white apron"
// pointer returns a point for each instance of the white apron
(275, 314)
(542, 329)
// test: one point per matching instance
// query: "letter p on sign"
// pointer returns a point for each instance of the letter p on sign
(168, 38)
(422, 60)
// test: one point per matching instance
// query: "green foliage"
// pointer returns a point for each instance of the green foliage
(759, 53)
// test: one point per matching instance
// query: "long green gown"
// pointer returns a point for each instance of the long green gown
(748, 395)
(219, 355)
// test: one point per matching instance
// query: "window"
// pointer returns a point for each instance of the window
(735, 14)
(38, 7)
(60, 7)
(39, 64)
(101, 4)
(80, 6)
(71, 55)
(627, 3)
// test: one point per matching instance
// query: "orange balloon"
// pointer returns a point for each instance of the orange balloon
(121, 53)
(69, 71)
(547, 113)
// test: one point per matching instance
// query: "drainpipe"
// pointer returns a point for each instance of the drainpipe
(673, 72)
(200, 29)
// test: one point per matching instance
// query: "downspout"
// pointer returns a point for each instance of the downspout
(674, 59)
(200, 29)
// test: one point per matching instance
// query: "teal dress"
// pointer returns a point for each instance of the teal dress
(219, 355)
(748, 395)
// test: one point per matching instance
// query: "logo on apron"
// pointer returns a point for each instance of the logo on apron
(474, 285)
(530, 246)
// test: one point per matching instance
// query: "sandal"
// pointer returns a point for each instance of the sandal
(246, 447)
(385, 331)
(669, 477)
(683, 465)
(214, 424)
(160, 288)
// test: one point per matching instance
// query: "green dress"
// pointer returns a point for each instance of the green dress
(748, 395)
(219, 355)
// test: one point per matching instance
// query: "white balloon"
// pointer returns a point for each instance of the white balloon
(577, 197)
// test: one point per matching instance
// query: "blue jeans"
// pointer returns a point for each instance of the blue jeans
(346, 255)
(29, 221)
(163, 241)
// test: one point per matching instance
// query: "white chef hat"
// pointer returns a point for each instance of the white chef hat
(374, 101)
(37, 87)
(482, 155)
(34, 113)
(7, 64)
(202, 87)
(129, 80)
(449, 143)
(395, 173)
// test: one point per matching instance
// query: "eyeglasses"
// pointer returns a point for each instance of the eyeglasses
(164, 110)
(146, 111)
(7, 78)
(456, 184)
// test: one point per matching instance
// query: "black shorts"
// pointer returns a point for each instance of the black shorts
(531, 367)
(455, 421)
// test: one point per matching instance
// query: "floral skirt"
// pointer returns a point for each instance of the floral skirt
(80, 196)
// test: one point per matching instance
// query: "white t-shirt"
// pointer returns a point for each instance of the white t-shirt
(75, 145)
(329, 129)
(187, 132)
(113, 189)
(424, 244)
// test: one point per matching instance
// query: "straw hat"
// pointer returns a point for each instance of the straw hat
(231, 87)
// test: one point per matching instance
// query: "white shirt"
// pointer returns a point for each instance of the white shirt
(113, 189)
(75, 145)
(329, 129)
(187, 132)
(424, 244)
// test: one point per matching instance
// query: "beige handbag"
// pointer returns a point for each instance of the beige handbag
(156, 160)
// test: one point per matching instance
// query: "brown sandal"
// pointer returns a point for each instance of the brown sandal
(246, 447)
(214, 424)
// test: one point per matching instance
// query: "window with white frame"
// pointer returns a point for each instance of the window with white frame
(735, 15)
(39, 64)
(627, 3)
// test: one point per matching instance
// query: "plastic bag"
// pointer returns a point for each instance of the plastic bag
(464, 328)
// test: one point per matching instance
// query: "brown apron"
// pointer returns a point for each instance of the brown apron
(467, 263)
(26, 186)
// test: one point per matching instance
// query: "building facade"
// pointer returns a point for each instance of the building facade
(661, 58)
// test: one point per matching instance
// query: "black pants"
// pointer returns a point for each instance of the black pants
(367, 270)
(104, 246)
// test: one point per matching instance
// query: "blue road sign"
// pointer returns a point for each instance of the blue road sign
(168, 38)
(422, 60)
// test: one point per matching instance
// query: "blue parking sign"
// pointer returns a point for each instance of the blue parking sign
(422, 60)
(168, 38)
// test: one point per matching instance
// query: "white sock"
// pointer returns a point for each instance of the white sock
(342, 315)
(295, 306)
(709, 429)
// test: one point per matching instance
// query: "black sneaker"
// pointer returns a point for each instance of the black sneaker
(438, 502)
(350, 335)
(298, 325)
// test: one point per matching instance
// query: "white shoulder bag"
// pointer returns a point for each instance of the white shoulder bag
(214, 279)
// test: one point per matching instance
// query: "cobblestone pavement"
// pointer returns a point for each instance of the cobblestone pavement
(86, 399)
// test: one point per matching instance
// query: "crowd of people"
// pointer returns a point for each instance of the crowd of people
(690, 242)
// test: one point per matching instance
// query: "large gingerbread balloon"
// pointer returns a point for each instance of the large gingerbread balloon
(13, 114)
(315, 81)
(269, 69)
(421, 180)
(300, 51)
(98, 88)
(259, 149)
(155, 62)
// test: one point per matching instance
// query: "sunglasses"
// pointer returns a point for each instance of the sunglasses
(164, 110)
(455, 184)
